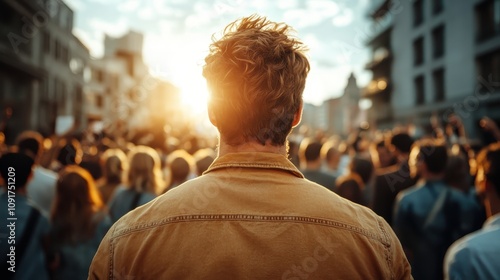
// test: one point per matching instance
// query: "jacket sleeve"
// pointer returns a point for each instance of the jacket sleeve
(101, 267)
(401, 266)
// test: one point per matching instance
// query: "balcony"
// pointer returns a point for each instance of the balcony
(376, 88)
(380, 57)
(378, 8)
(380, 26)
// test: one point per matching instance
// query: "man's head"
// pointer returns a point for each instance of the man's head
(310, 153)
(428, 158)
(256, 74)
(30, 143)
(488, 175)
(18, 167)
(401, 144)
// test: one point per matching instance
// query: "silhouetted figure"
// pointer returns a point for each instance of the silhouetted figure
(143, 182)
(79, 222)
(29, 227)
(476, 255)
(310, 159)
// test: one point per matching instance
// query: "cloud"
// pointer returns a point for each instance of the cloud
(116, 28)
(75, 5)
(344, 18)
(129, 6)
(146, 13)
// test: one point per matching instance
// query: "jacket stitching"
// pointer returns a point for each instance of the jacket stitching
(387, 248)
(111, 254)
(249, 218)
(258, 165)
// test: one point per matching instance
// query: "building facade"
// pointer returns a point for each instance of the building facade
(41, 66)
(443, 57)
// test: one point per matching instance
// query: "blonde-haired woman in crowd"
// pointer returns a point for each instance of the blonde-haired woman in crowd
(79, 222)
(113, 164)
(144, 182)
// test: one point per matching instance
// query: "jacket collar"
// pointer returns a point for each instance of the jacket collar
(255, 160)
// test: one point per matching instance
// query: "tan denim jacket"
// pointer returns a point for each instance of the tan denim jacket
(250, 216)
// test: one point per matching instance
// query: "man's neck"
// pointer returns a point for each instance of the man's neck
(251, 147)
(313, 165)
(433, 177)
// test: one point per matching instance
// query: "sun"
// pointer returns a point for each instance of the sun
(194, 96)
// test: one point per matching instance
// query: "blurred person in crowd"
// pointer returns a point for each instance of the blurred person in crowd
(310, 161)
(350, 187)
(29, 227)
(42, 186)
(203, 159)
(390, 181)
(6, 126)
(457, 176)
(180, 164)
(475, 256)
(428, 216)
(353, 185)
(3, 146)
(330, 156)
(381, 155)
(252, 214)
(144, 181)
(68, 152)
(490, 127)
(79, 222)
(113, 164)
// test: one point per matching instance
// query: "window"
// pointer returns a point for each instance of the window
(438, 80)
(418, 51)
(419, 90)
(489, 64)
(438, 41)
(46, 42)
(487, 19)
(57, 48)
(418, 12)
(99, 101)
(437, 6)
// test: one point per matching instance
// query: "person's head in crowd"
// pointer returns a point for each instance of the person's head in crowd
(330, 155)
(400, 145)
(457, 173)
(310, 154)
(113, 163)
(30, 143)
(363, 167)
(203, 159)
(381, 154)
(17, 167)
(144, 174)
(76, 203)
(70, 152)
(255, 93)
(181, 164)
(350, 187)
(428, 159)
(488, 178)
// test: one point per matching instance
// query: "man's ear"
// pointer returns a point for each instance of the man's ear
(297, 117)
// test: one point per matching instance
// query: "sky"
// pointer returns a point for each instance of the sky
(177, 34)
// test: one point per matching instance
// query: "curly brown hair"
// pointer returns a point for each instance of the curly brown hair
(256, 75)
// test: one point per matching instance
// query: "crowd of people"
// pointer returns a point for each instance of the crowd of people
(257, 200)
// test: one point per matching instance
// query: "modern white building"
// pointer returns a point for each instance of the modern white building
(435, 57)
